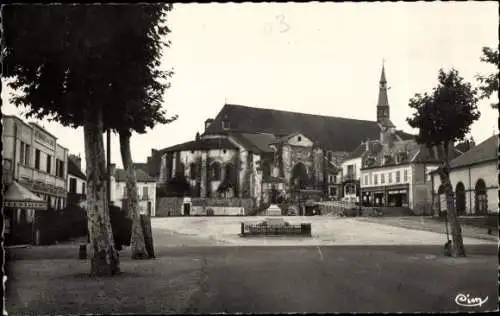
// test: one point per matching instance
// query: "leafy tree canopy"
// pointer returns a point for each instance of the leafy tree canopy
(445, 115)
(99, 57)
(489, 83)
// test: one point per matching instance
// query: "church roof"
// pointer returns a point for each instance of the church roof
(333, 133)
(255, 142)
(202, 144)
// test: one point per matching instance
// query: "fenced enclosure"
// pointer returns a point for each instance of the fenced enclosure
(284, 229)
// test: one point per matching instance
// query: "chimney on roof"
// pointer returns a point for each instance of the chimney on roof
(77, 160)
(367, 144)
(208, 122)
(197, 137)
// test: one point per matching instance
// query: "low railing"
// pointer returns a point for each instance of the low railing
(275, 230)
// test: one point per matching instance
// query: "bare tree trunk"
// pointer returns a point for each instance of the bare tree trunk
(103, 255)
(457, 246)
(137, 243)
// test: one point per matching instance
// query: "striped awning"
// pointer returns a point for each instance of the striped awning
(17, 196)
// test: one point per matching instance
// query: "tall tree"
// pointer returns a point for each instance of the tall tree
(65, 69)
(444, 117)
(139, 87)
(489, 83)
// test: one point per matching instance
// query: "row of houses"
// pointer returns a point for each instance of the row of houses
(38, 173)
(249, 153)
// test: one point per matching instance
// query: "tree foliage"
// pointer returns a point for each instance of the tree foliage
(445, 115)
(490, 82)
(65, 66)
(95, 66)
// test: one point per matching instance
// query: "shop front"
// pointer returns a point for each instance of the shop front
(392, 196)
(20, 205)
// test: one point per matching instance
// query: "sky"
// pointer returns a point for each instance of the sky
(317, 58)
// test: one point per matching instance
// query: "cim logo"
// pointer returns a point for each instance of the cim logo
(467, 301)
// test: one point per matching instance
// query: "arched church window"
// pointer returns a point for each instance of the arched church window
(215, 172)
(481, 201)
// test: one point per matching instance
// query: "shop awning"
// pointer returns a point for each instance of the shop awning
(17, 196)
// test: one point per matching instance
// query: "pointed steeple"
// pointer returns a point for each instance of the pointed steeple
(383, 116)
(383, 100)
(382, 76)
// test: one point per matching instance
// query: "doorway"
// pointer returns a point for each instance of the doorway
(187, 209)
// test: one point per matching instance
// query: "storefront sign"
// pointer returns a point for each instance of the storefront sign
(26, 204)
(44, 138)
(397, 192)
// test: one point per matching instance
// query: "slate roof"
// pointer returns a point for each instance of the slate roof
(333, 133)
(358, 152)
(257, 143)
(464, 146)
(75, 171)
(143, 166)
(483, 152)
(141, 176)
(435, 155)
(203, 144)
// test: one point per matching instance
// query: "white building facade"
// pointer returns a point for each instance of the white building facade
(474, 179)
(146, 190)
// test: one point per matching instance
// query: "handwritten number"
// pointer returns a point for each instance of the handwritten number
(281, 19)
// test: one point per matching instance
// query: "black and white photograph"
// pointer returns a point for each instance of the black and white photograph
(255, 158)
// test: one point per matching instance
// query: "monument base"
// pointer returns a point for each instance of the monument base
(273, 210)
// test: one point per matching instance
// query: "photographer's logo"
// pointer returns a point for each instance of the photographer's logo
(467, 301)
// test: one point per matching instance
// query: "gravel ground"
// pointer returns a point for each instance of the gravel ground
(326, 230)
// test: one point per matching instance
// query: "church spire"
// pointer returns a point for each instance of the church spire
(383, 100)
(382, 94)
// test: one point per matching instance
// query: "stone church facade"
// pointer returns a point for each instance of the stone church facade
(258, 153)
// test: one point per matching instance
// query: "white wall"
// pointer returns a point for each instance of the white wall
(486, 171)
(385, 171)
(300, 140)
(118, 189)
(356, 162)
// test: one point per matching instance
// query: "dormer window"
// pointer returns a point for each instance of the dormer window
(401, 157)
(388, 159)
(370, 161)
(299, 138)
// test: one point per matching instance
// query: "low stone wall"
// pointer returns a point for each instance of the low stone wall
(217, 211)
(172, 206)
(224, 206)
(169, 206)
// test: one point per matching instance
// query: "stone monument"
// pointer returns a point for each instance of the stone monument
(273, 210)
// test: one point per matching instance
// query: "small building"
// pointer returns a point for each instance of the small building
(146, 190)
(474, 179)
(77, 182)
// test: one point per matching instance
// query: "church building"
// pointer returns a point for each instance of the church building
(250, 152)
